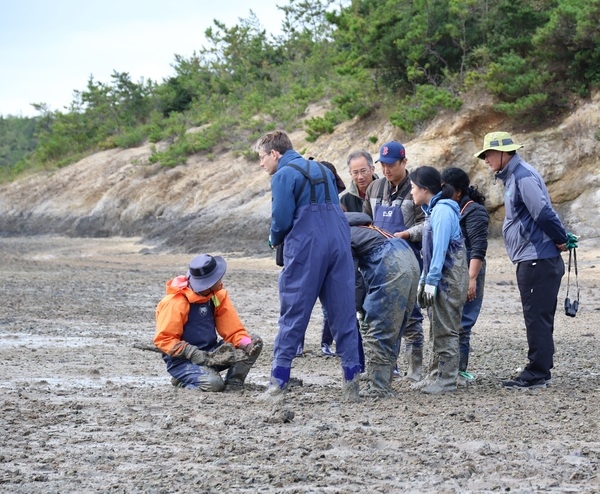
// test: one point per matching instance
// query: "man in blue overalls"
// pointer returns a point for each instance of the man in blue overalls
(317, 258)
(389, 202)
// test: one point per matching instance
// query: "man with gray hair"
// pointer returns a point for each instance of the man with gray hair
(362, 171)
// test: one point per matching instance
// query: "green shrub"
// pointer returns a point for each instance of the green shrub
(531, 107)
(421, 107)
(187, 144)
(131, 138)
(520, 87)
(317, 126)
(352, 104)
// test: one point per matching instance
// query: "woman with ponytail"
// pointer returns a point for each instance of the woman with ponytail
(443, 283)
(474, 223)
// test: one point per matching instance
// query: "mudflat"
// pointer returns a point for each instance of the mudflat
(84, 410)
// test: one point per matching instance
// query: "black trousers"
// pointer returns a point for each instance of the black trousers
(539, 284)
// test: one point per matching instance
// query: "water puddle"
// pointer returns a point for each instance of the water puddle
(69, 384)
(8, 340)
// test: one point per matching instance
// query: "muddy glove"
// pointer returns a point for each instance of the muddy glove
(251, 346)
(429, 295)
(244, 342)
(194, 354)
(420, 296)
(571, 241)
(244, 348)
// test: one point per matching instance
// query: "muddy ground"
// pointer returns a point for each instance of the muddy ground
(82, 410)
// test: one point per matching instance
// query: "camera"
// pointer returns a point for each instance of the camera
(571, 307)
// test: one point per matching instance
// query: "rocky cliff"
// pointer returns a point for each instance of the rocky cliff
(223, 203)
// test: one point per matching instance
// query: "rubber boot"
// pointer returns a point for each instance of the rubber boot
(278, 384)
(446, 379)
(463, 381)
(431, 374)
(236, 375)
(414, 356)
(405, 351)
(379, 381)
(463, 363)
(350, 387)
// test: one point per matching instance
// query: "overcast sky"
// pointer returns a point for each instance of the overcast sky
(49, 48)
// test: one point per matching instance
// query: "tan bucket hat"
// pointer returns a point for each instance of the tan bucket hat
(497, 141)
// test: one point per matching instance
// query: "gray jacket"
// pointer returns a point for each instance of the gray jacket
(531, 227)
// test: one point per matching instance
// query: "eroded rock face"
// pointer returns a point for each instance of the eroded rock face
(224, 203)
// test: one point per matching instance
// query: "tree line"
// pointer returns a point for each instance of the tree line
(410, 59)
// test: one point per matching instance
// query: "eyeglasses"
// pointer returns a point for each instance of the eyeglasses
(362, 172)
(262, 157)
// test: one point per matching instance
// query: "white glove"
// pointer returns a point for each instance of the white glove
(429, 295)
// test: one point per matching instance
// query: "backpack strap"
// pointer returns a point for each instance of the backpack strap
(465, 206)
(312, 181)
(377, 229)
(402, 192)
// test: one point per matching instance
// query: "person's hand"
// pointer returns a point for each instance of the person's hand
(251, 346)
(472, 292)
(571, 243)
(247, 345)
(245, 342)
(429, 295)
(194, 355)
(271, 244)
(420, 296)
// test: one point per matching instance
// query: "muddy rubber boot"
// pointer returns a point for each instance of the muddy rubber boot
(350, 390)
(177, 383)
(431, 375)
(464, 378)
(350, 387)
(463, 362)
(236, 375)
(278, 384)
(446, 379)
(415, 363)
(379, 382)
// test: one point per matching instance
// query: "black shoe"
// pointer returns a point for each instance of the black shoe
(518, 383)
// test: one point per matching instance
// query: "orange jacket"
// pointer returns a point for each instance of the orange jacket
(172, 314)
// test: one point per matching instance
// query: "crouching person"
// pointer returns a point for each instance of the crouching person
(190, 319)
(390, 272)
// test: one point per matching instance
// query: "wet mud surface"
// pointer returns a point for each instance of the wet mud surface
(83, 410)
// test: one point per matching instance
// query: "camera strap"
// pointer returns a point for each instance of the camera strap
(573, 254)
